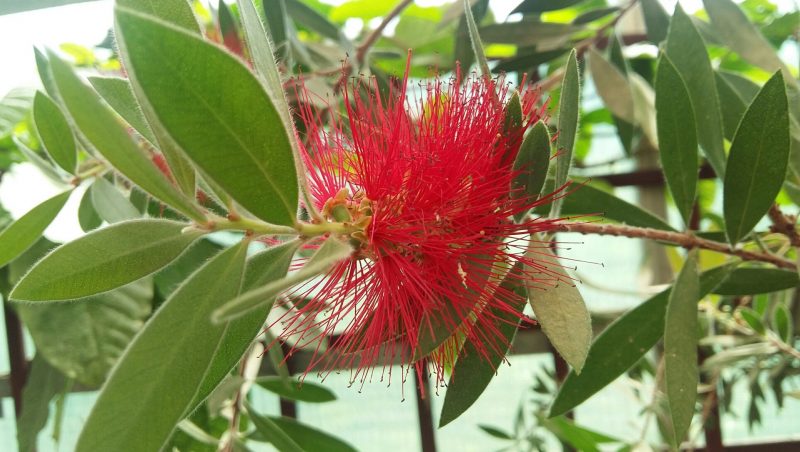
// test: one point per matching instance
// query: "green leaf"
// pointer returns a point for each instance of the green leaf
(475, 38)
(264, 267)
(55, 133)
(656, 20)
(24, 232)
(732, 104)
(495, 432)
(101, 128)
(103, 260)
(158, 377)
(310, 18)
(300, 392)
(176, 12)
(331, 252)
(753, 319)
(736, 31)
(677, 138)
(208, 100)
(473, 372)
(540, 6)
(44, 382)
(110, 204)
(533, 160)
(622, 344)
(118, 94)
(85, 339)
(40, 163)
(270, 430)
(569, 105)
(687, 51)
(561, 312)
(758, 160)
(612, 86)
(753, 281)
(578, 437)
(588, 200)
(309, 439)
(88, 217)
(547, 35)
(782, 322)
(644, 108)
(46, 76)
(680, 347)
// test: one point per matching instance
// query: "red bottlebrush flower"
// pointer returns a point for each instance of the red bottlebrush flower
(428, 177)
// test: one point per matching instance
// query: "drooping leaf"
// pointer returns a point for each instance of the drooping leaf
(44, 382)
(308, 438)
(472, 373)
(110, 204)
(24, 232)
(55, 133)
(270, 430)
(741, 36)
(533, 160)
(158, 377)
(612, 86)
(562, 314)
(656, 20)
(622, 344)
(103, 260)
(331, 252)
(208, 100)
(680, 347)
(687, 51)
(758, 160)
(782, 322)
(101, 128)
(569, 106)
(753, 319)
(300, 392)
(677, 139)
(753, 281)
(578, 437)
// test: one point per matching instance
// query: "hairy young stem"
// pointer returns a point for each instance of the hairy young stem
(684, 239)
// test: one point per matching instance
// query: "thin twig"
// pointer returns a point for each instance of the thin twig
(361, 51)
(684, 239)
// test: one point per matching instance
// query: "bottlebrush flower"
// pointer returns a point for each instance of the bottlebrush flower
(428, 177)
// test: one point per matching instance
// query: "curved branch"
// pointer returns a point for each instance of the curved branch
(683, 239)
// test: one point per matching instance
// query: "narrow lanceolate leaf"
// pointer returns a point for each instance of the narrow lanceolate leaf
(105, 133)
(622, 344)
(110, 204)
(753, 281)
(55, 133)
(644, 108)
(741, 36)
(475, 37)
(732, 103)
(569, 106)
(532, 162)
(308, 438)
(301, 392)
(267, 266)
(150, 389)
(656, 20)
(118, 94)
(24, 232)
(612, 86)
(562, 314)
(88, 217)
(263, 54)
(680, 347)
(331, 252)
(103, 260)
(687, 51)
(677, 138)
(271, 431)
(207, 100)
(758, 160)
(473, 371)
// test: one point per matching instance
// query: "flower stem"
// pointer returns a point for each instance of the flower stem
(257, 227)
